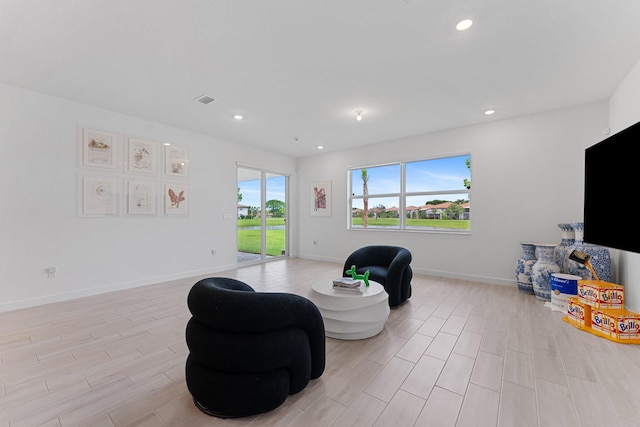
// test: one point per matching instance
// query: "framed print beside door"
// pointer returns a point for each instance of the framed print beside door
(321, 198)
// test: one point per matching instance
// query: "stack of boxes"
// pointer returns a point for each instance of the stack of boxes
(599, 309)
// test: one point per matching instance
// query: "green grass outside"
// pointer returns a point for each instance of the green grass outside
(256, 222)
(380, 222)
(249, 240)
(448, 224)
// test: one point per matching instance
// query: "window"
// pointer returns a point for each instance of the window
(427, 195)
(375, 190)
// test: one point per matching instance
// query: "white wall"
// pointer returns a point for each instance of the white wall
(527, 177)
(527, 174)
(39, 181)
(624, 110)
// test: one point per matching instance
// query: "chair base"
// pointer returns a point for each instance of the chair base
(213, 413)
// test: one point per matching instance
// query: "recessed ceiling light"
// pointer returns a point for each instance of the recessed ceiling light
(238, 117)
(489, 112)
(465, 24)
(319, 147)
(166, 144)
(205, 99)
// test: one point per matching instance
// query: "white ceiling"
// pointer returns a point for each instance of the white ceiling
(300, 68)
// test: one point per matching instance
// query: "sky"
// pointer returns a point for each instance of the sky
(443, 174)
(250, 190)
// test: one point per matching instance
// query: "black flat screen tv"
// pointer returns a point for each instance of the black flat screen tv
(611, 172)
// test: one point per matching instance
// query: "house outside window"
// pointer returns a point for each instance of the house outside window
(426, 195)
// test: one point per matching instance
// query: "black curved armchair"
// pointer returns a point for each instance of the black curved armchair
(387, 265)
(249, 350)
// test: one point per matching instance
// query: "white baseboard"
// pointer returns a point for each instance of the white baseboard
(436, 273)
(48, 299)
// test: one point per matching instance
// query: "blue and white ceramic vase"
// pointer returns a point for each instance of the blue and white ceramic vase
(542, 270)
(600, 258)
(523, 267)
(562, 251)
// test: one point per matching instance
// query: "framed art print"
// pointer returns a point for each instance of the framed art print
(99, 196)
(99, 149)
(141, 197)
(176, 161)
(142, 156)
(176, 199)
(321, 198)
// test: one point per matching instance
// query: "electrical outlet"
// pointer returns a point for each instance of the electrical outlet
(52, 271)
(213, 251)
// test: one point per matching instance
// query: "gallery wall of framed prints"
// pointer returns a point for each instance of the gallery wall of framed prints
(131, 176)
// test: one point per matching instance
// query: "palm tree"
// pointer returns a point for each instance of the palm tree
(365, 199)
(466, 182)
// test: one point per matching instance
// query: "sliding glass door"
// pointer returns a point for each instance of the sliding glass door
(262, 215)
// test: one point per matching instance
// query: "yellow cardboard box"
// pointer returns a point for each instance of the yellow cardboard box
(599, 309)
(578, 312)
(619, 324)
(603, 322)
(601, 294)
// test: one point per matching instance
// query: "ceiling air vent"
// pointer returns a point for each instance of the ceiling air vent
(205, 99)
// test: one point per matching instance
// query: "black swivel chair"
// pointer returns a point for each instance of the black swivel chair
(387, 265)
(249, 350)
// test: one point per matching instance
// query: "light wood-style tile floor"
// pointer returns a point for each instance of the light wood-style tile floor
(457, 354)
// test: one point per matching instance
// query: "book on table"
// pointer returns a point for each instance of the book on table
(347, 282)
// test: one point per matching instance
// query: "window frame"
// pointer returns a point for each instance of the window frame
(402, 196)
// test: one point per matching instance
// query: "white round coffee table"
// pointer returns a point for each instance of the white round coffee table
(351, 315)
